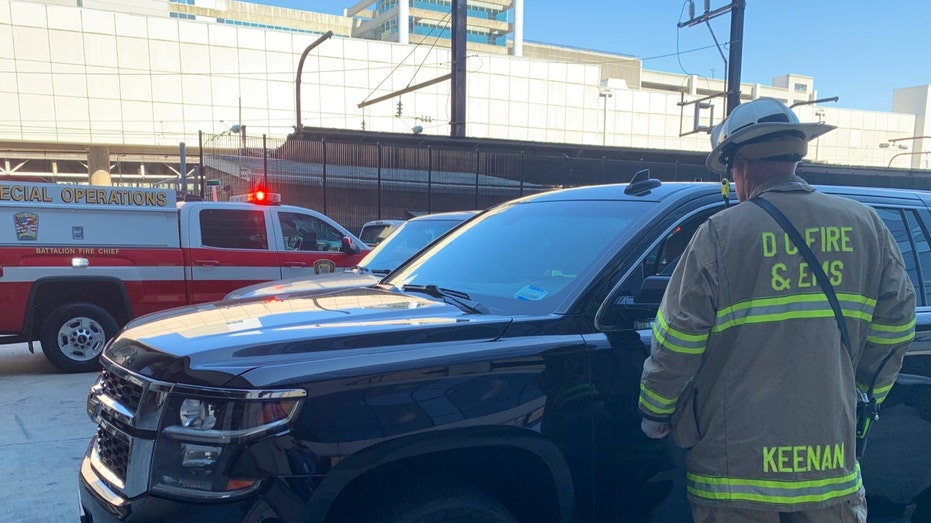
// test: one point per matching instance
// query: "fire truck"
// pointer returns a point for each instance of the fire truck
(78, 262)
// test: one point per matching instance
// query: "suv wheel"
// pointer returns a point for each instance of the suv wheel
(438, 500)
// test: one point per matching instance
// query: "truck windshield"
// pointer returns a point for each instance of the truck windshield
(523, 258)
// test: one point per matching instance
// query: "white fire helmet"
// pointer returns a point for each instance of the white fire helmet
(764, 120)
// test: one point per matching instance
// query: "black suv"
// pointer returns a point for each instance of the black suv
(492, 377)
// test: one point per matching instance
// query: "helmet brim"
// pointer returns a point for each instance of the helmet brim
(809, 131)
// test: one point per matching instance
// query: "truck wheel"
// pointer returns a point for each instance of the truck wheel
(438, 501)
(73, 336)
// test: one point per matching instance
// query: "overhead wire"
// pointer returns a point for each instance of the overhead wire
(414, 48)
(432, 46)
(678, 31)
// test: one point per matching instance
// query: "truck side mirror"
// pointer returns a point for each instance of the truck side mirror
(624, 312)
(349, 247)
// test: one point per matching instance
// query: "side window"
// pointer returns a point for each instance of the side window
(664, 256)
(233, 229)
(303, 232)
(904, 233)
(918, 224)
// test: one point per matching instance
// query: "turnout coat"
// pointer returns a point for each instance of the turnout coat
(775, 389)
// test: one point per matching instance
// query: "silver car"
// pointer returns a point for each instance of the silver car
(404, 242)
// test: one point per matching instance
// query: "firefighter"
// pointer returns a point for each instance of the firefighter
(747, 330)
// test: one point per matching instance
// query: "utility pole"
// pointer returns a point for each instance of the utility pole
(458, 80)
(732, 67)
(733, 74)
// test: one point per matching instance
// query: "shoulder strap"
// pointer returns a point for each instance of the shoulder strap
(813, 264)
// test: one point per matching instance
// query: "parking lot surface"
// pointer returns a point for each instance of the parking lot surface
(44, 431)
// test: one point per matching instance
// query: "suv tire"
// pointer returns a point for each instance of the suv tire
(438, 500)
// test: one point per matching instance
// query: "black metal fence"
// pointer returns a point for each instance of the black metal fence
(355, 181)
(358, 182)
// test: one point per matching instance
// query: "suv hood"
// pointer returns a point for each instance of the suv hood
(219, 340)
(314, 283)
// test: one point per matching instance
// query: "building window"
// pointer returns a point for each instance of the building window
(801, 88)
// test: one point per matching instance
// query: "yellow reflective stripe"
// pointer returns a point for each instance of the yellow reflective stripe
(883, 390)
(879, 393)
(676, 340)
(878, 390)
(894, 328)
(796, 306)
(891, 334)
(655, 403)
(656, 410)
(891, 341)
(797, 298)
(782, 500)
(775, 492)
(663, 400)
(855, 298)
(770, 318)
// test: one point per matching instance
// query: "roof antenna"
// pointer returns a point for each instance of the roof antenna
(641, 183)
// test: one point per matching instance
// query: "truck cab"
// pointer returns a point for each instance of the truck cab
(78, 262)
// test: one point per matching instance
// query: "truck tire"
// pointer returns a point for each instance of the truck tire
(73, 336)
(438, 500)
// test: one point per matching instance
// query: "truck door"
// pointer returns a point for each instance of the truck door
(309, 243)
(233, 251)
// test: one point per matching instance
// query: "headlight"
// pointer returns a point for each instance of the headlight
(197, 414)
(238, 416)
(201, 431)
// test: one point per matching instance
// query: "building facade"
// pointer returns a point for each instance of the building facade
(156, 72)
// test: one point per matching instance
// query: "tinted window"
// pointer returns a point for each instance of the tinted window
(664, 256)
(303, 232)
(233, 229)
(918, 225)
(895, 221)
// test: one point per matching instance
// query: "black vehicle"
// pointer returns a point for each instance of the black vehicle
(494, 375)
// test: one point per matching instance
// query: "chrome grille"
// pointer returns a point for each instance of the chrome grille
(114, 450)
(124, 391)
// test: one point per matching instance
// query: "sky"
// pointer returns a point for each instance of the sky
(855, 50)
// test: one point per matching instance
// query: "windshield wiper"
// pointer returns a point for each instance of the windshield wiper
(457, 298)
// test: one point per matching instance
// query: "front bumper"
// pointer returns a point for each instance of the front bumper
(100, 504)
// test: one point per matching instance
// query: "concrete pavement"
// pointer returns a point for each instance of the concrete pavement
(44, 431)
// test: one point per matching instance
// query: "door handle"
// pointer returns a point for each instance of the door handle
(207, 263)
(295, 264)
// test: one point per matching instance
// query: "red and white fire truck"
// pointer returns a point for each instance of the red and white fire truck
(77, 262)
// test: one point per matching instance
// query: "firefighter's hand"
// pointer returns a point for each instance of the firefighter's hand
(654, 429)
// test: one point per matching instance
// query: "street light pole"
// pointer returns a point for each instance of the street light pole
(892, 141)
(604, 116)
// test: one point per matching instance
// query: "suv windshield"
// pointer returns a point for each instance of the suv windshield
(522, 258)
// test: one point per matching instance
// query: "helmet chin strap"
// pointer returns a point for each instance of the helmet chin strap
(726, 184)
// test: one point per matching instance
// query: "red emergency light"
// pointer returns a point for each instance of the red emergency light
(258, 197)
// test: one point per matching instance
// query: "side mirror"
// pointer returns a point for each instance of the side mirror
(624, 312)
(349, 247)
